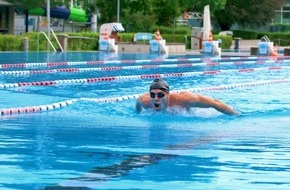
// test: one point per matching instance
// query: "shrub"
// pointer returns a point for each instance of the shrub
(89, 41)
(11, 43)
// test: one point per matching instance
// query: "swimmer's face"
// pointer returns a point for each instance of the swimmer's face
(158, 99)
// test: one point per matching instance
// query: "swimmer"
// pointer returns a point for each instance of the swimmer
(160, 99)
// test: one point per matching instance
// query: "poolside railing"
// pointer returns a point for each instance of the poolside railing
(49, 41)
(56, 40)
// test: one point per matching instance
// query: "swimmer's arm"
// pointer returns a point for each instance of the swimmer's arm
(206, 102)
(143, 102)
(138, 106)
(224, 108)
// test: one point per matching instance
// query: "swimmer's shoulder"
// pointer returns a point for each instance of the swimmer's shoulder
(182, 94)
(184, 97)
(144, 99)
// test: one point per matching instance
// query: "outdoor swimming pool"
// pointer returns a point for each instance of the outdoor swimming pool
(68, 122)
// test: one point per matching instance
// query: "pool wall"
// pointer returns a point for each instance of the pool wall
(145, 48)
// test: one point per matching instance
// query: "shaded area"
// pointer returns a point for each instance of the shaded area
(101, 174)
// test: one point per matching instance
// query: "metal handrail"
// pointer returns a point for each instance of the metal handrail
(265, 38)
(56, 40)
(50, 41)
(46, 39)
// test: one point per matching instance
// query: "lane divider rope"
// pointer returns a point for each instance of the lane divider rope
(73, 63)
(195, 90)
(50, 107)
(36, 109)
(135, 77)
(117, 68)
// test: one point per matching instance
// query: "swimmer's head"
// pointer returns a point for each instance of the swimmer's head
(159, 94)
(159, 84)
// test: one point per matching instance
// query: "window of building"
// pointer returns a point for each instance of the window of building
(3, 19)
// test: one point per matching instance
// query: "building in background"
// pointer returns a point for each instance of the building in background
(283, 14)
(6, 17)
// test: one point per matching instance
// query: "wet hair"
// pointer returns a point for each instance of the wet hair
(159, 84)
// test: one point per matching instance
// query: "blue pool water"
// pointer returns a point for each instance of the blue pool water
(96, 142)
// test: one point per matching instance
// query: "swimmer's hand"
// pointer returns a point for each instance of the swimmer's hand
(138, 106)
(230, 111)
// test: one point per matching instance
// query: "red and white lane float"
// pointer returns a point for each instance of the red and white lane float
(194, 90)
(137, 67)
(135, 77)
(58, 105)
(36, 109)
(75, 63)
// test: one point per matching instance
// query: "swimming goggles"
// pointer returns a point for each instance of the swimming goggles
(159, 95)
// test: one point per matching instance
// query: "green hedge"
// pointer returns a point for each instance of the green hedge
(226, 41)
(84, 41)
(11, 43)
(87, 41)
(245, 34)
(37, 41)
(171, 30)
(280, 38)
(180, 38)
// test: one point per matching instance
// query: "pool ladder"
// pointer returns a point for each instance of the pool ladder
(265, 39)
(60, 47)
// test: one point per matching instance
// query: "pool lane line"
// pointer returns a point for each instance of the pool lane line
(57, 105)
(72, 63)
(37, 108)
(117, 68)
(135, 77)
(112, 99)
(194, 90)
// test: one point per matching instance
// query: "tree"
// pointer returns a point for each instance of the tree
(198, 5)
(138, 15)
(247, 13)
(166, 11)
(108, 11)
(146, 14)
